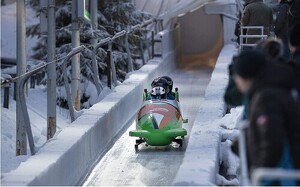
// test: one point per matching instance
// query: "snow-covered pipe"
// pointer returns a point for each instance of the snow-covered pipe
(102, 42)
(146, 23)
(23, 106)
(135, 27)
(119, 34)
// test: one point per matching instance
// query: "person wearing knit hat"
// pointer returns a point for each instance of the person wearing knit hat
(252, 72)
(295, 43)
(281, 27)
(295, 36)
(246, 67)
(295, 48)
(272, 48)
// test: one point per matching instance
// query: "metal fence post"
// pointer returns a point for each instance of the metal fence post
(108, 70)
(51, 71)
(243, 153)
(21, 147)
(32, 82)
(112, 64)
(15, 91)
(142, 50)
(129, 65)
(6, 95)
(94, 40)
(152, 43)
(39, 77)
(147, 43)
(75, 84)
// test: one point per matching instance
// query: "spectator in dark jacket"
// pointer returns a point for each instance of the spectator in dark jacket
(294, 13)
(256, 13)
(267, 86)
(295, 43)
(273, 134)
(281, 26)
(295, 48)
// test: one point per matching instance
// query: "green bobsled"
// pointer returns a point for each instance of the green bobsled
(159, 123)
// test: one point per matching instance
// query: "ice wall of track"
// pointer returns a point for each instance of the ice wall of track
(201, 164)
(67, 158)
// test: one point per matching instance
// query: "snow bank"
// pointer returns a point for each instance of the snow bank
(66, 158)
(200, 163)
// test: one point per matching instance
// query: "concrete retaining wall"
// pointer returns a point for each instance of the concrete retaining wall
(66, 159)
(200, 163)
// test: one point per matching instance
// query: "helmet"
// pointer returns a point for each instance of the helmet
(160, 86)
(170, 82)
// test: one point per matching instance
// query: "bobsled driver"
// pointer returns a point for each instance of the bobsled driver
(161, 88)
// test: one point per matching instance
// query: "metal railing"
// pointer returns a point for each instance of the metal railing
(261, 174)
(66, 80)
(244, 37)
(23, 105)
(244, 176)
(22, 98)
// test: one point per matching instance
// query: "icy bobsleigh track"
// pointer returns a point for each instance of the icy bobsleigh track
(89, 135)
(153, 165)
(197, 162)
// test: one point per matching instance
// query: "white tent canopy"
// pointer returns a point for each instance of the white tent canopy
(167, 9)
(170, 10)
(182, 7)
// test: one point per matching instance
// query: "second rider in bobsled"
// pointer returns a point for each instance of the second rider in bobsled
(161, 89)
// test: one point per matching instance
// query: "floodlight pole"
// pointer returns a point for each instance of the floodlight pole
(51, 71)
(21, 137)
(94, 8)
(75, 84)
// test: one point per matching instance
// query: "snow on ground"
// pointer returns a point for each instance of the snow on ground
(229, 162)
(8, 30)
(37, 108)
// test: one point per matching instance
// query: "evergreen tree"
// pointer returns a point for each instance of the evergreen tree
(113, 16)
